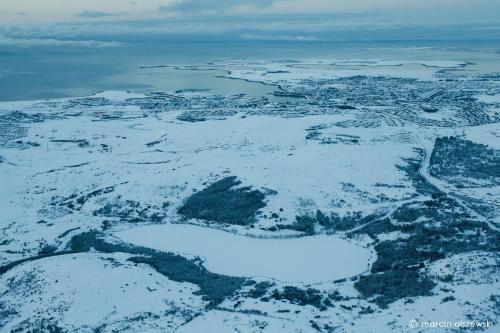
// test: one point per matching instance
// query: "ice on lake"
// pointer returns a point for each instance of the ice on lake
(306, 259)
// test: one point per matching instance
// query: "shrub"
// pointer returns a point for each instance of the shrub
(392, 285)
(220, 202)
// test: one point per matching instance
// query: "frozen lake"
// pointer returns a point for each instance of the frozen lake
(307, 259)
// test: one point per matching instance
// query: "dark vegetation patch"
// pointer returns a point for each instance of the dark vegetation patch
(330, 223)
(47, 250)
(213, 287)
(429, 109)
(76, 201)
(130, 211)
(450, 298)
(435, 227)
(495, 299)
(190, 117)
(303, 224)
(67, 232)
(441, 208)
(395, 255)
(393, 285)
(45, 325)
(221, 202)
(401, 262)
(347, 222)
(455, 159)
(309, 296)
(346, 107)
(434, 241)
(260, 289)
(6, 313)
(375, 228)
(42, 254)
(412, 168)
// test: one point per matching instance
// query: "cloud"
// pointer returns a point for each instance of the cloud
(325, 27)
(93, 14)
(29, 42)
(193, 7)
(290, 38)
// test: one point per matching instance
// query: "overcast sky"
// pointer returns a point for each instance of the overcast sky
(430, 11)
(108, 22)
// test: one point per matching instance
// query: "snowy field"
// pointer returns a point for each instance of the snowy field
(368, 198)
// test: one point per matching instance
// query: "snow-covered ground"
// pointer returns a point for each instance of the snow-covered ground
(361, 223)
(92, 290)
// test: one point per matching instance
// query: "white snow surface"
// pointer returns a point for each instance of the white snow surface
(229, 322)
(92, 290)
(158, 161)
(490, 99)
(273, 72)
